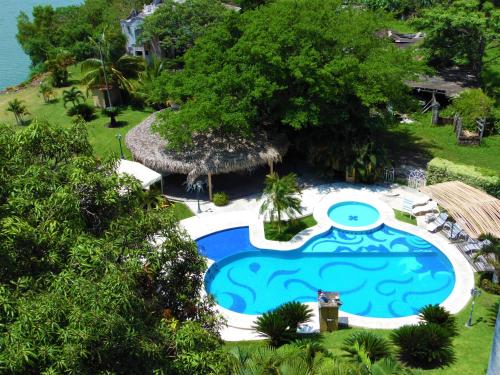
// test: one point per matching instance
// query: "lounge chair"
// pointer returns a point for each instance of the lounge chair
(454, 232)
(430, 206)
(438, 223)
(473, 246)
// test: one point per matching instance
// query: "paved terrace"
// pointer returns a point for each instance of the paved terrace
(245, 212)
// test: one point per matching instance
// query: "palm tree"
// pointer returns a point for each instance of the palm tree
(47, 91)
(73, 96)
(280, 198)
(145, 86)
(106, 71)
(18, 108)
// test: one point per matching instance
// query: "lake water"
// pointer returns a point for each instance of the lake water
(14, 64)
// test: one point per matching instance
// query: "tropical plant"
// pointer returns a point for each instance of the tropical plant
(281, 324)
(47, 91)
(150, 87)
(57, 65)
(375, 346)
(73, 96)
(439, 315)
(112, 112)
(424, 345)
(492, 251)
(78, 264)
(83, 110)
(107, 71)
(368, 161)
(280, 198)
(18, 108)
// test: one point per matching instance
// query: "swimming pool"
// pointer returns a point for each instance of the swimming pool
(353, 214)
(384, 273)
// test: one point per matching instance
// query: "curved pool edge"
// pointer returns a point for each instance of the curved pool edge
(239, 325)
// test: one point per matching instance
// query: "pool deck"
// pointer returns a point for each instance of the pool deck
(316, 201)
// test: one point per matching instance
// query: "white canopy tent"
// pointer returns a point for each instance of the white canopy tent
(146, 176)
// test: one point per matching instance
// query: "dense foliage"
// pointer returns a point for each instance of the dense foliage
(473, 105)
(460, 32)
(282, 68)
(83, 288)
(173, 27)
(70, 28)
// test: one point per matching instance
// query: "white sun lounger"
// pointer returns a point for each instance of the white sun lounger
(430, 206)
(438, 223)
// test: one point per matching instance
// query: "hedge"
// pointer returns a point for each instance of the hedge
(442, 170)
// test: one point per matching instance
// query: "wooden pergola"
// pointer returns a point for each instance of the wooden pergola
(474, 210)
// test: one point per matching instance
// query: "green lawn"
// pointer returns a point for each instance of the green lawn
(288, 228)
(423, 141)
(472, 345)
(182, 211)
(403, 216)
(100, 136)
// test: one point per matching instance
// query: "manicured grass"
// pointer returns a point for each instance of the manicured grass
(101, 137)
(181, 210)
(403, 216)
(472, 345)
(288, 228)
(425, 141)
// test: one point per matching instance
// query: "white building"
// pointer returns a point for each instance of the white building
(131, 28)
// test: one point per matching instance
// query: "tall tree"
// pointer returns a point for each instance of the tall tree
(282, 67)
(173, 28)
(84, 286)
(105, 69)
(460, 32)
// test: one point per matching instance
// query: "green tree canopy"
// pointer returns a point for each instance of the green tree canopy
(287, 66)
(70, 27)
(460, 32)
(83, 287)
(173, 27)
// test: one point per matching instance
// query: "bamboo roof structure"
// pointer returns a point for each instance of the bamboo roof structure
(474, 210)
(209, 154)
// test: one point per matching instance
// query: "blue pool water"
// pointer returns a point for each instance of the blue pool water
(353, 214)
(386, 273)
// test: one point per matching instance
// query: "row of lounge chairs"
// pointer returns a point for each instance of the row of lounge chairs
(470, 247)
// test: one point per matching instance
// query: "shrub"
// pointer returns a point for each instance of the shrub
(280, 324)
(490, 286)
(84, 110)
(220, 199)
(439, 315)
(441, 170)
(376, 347)
(425, 345)
(472, 104)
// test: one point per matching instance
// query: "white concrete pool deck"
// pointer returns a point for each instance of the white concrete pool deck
(317, 200)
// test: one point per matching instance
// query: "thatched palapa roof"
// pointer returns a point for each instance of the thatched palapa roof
(208, 153)
(476, 212)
